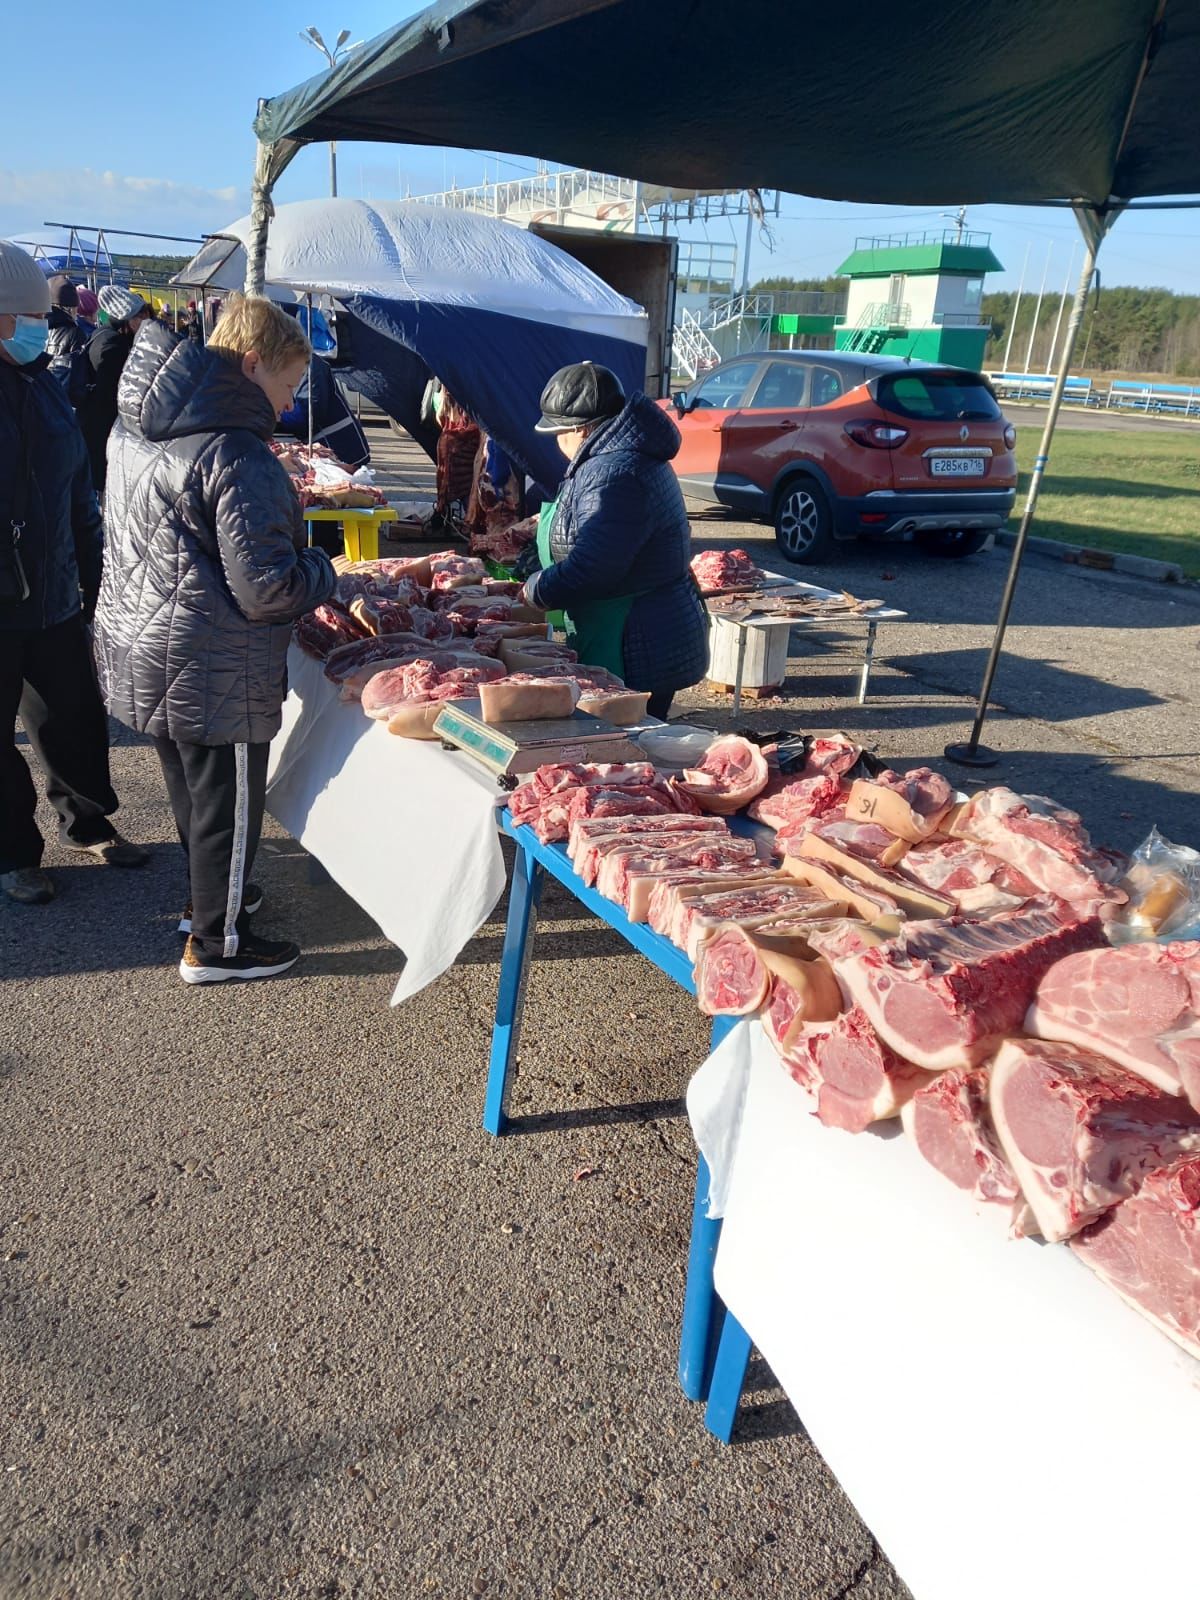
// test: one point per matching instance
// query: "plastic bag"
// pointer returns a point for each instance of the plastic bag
(675, 745)
(329, 475)
(1163, 885)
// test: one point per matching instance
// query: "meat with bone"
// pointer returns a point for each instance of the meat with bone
(1080, 1133)
(715, 570)
(702, 915)
(913, 900)
(732, 772)
(1045, 843)
(456, 572)
(347, 659)
(951, 1124)
(423, 681)
(1147, 1249)
(909, 805)
(351, 683)
(571, 775)
(977, 882)
(1138, 1004)
(866, 840)
(943, 993)
(793, 804)
(364, 581)
(589, 833)
(735, 971)
(855, 1078)
(726, 875)
(551, 815)
(323, 629)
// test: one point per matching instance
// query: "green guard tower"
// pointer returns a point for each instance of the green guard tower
(918, 295)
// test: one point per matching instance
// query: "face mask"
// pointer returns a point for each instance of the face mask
(28, 340)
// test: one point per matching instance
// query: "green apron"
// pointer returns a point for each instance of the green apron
(595, 628)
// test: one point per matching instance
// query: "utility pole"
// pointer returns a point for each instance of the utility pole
(340, 50)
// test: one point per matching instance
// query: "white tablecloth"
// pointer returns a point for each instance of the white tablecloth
(406, 828)
(1004, 1424)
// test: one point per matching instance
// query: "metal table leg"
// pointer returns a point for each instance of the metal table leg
(703, 1312)
(868, 658)
(523, 900)
(728, 1378)
(741, 662)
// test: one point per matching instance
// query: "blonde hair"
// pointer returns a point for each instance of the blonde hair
(252, 322)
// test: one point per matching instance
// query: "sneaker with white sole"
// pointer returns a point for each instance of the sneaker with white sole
(251, 901)
(113, 852)
(28, 886)
(257, 958)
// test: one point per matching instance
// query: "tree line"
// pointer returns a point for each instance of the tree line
(1125, 329)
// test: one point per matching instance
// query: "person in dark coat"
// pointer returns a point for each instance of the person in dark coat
(64, 336)
(50, 540)
(618, 539)
(205, 571)
(108, 352)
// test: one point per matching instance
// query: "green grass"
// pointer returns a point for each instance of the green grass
(1131, 490)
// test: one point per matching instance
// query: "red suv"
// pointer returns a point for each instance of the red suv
(830, 445)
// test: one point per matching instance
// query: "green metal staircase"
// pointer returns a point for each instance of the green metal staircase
(878, 323)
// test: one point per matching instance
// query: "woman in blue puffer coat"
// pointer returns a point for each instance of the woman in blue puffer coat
(615, 550)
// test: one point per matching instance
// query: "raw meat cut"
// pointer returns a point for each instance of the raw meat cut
(676, 893)
(871, 904)
(908, 804)
(732, 772)
(977, 882)
(715, 570)
(456, 572)
(866, 840)
(1148, 1250)
(911, 898)
(520, 655)
(1079, 1133)
(610, 791)
(626, 875)
(1046, 843)
(728, 875)
(1139, 1005)
(790, 804)
(422, 681)
(622, 707)
(521, 699)
(951, 1124)
(587, 833)
(942, 993)
(701, 915)
(855, 1078)
(735, 971)
(321, 630)
(348, 658)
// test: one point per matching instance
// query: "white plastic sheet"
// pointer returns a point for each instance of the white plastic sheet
(406, 828)
(1002, 1422)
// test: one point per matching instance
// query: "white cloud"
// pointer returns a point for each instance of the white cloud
(83, 197)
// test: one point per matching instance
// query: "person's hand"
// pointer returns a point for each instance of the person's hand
(529, 591)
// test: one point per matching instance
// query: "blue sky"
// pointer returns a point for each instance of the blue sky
(149, 128)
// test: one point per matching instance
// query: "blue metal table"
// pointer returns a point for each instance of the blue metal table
(703, 1312)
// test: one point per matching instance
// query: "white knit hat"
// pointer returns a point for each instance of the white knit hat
(120, 304)
(23, 286)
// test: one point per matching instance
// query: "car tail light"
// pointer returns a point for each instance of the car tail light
(877, 435)
(1010, 436)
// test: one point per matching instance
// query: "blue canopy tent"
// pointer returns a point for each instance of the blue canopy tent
(489, 308)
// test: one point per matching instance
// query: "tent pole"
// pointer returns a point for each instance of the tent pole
(311, 359)
(1093, 225)
(260, 219)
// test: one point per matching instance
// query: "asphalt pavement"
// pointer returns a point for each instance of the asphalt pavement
(278, 1319)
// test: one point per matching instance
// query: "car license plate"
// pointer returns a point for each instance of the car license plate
(956, 466)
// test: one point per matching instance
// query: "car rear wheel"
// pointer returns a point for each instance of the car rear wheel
(803, 524)
(953, 541)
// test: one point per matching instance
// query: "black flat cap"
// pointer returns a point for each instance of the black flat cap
(579, 394)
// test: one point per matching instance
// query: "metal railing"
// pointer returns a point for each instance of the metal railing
(905, 241)
(692, 351)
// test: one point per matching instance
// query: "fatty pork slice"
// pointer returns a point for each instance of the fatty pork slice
(627, 876)
(590, 834)
(865, 840)
(731, 774)
(1138, 1004)
(735, 971)
(1147, 1249)
(752, 907)
(942, 993)
(556, 812)
(950, 1123)
(1046, 843)
(854, 1077)
(1080, 1133)
(910, 805)
(977, 882)
(675, 893)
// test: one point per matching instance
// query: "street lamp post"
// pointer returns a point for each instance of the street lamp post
(340, 49)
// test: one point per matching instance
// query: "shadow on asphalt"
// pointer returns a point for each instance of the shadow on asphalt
(1049, 692)
(596, 1116)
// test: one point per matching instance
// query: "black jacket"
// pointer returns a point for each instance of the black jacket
(62, 340)
(205, 567)
(60, 542)
(108, 351)
(621, 528)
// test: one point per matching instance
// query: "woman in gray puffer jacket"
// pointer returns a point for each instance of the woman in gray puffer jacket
(204, 572)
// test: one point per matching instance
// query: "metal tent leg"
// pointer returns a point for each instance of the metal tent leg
(728, 1379)
(702, 1308)
(523, 901)
(868, 658)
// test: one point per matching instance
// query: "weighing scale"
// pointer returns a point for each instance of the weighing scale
(511, 748)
